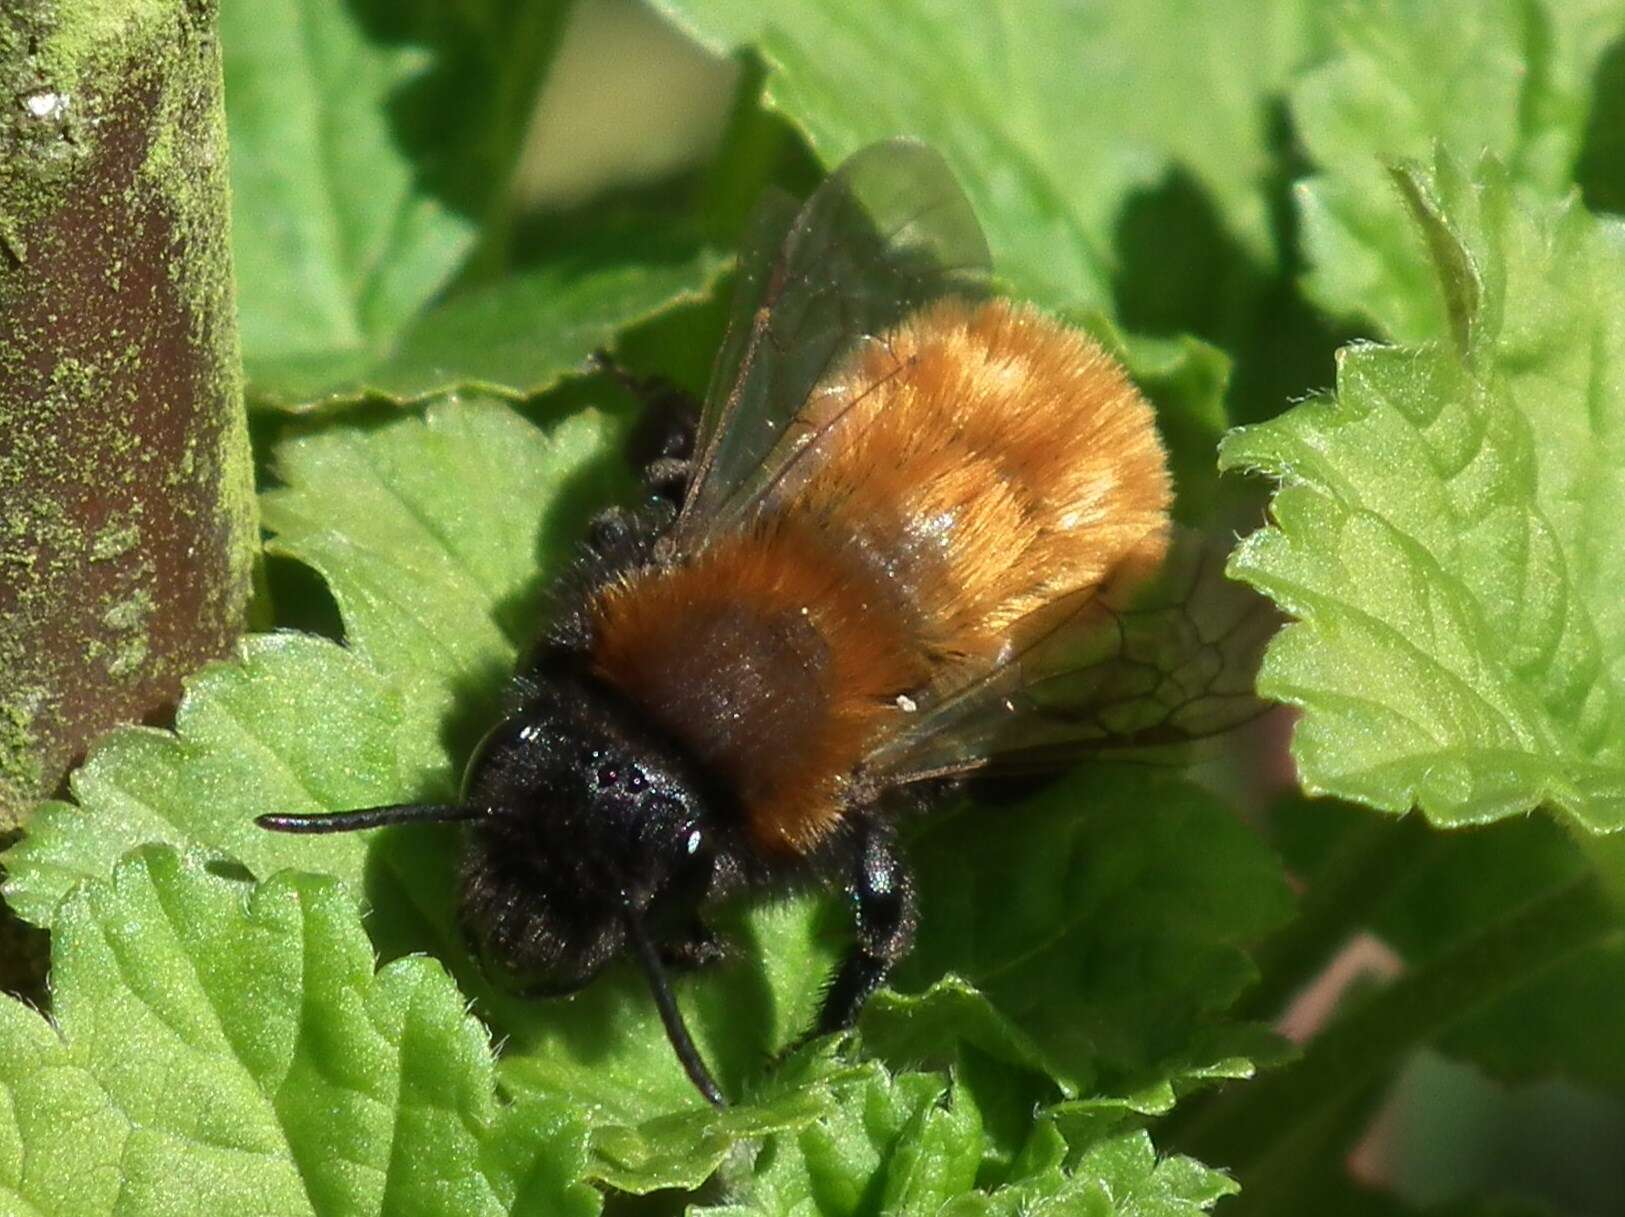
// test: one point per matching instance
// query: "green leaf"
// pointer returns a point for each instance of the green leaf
(437, 535)
(911, 1144)
(1047, 142)
(248, 739)
(336, 241)
(512, 338)
(1447, 534)
(221, 1049)
(1560, 1023)
(684, 1149)
(1507, 77)
(368, 142)
(1096, 931)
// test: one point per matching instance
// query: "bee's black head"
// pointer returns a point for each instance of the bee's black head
(589, 833)
(587, 816)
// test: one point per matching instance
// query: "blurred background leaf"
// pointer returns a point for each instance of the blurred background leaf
(374, 150)
(1001, 98)
(369, 141)
(1509, 78)
(1116, 166)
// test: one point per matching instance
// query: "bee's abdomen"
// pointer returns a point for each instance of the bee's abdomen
(1001, 459)
(973, 466)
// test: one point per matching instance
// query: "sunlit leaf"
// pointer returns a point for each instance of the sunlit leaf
(216, 1048)
(1446, 531)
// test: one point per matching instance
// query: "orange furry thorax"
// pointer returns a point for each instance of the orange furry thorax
(975, 465)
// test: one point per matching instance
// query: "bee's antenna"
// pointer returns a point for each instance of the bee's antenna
(670, 1015)
(371, 817)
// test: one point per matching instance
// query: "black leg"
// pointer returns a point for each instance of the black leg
(882, 894)
(697, 947)
(668, 479)
(618, 537)
(662, 443)
(676, 1029)
(610, 529)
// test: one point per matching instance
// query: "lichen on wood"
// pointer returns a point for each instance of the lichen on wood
(127, 527)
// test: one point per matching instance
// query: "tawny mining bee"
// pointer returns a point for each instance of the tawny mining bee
(903, 543)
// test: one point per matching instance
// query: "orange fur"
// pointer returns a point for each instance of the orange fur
(785, 715)
(976, 464)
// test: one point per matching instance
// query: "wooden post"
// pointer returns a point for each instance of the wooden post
(127, 521)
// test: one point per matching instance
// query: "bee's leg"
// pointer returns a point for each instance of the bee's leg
(882, 894)
(662, 443)
(668, 478)
(697, 947)
(617, 535)
(610, 530)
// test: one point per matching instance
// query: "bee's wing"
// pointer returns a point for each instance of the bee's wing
(888, 232)
(1153, 666)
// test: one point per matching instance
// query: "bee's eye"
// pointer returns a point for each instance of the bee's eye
(608, 775)
(636, 782)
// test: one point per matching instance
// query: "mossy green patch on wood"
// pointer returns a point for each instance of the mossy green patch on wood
(114, 539)
(129, 533)
(19, 746)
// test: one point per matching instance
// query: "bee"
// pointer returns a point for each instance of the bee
(917, 531)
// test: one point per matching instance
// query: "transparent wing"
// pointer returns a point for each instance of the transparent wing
(888, 232)
(1154, 666)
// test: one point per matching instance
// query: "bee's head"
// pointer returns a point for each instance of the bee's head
(587, 818)
(589, 833)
